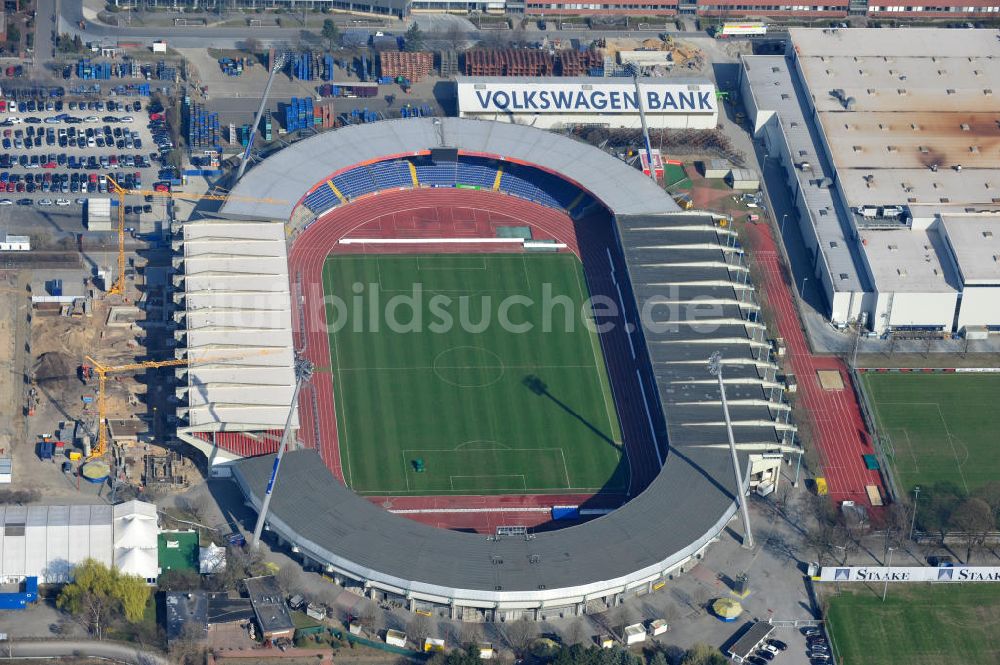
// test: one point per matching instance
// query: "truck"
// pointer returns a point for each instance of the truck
(741, 29)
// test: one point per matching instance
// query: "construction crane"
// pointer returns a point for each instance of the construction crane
(102, 372)
(118, 287)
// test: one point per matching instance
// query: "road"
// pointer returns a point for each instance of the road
(55, 649)
(197, 37)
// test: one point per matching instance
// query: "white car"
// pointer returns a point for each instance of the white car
(80, 201)
(6, 202)
(62, 202)
(14, 120)
(52, 121)
(766, 647)
(91, 118)
(45, 202)
(127, 118)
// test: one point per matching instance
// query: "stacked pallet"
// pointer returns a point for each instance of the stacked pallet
(578, 63)
(509, 62)
(413, 66)
(448, 63)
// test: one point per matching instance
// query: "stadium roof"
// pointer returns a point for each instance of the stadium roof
(288, 175)
(237, 318)
(692, 493)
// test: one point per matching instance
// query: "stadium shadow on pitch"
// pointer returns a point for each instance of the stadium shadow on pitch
(537, 386)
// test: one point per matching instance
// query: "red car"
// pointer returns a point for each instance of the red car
(20, 186)
(161, 187)
(49, 165)
(10, 187)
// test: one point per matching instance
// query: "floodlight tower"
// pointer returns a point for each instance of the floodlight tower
(634, 69)
(715, 368)
(303, 372)
(279, 62)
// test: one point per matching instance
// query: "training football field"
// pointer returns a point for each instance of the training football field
(929, 624)
(443, 398)
(938, 427)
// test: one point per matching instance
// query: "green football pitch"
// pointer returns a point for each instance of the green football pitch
(474, 407)
(938, 427)
(930, 624)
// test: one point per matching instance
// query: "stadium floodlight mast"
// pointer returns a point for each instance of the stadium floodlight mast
(276, 66)
(633, 69)
(303, 372)
(715, 368)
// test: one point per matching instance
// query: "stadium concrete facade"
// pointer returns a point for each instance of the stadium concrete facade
(672, 264)
(887, 138)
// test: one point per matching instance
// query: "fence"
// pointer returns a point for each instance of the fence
(881, 441)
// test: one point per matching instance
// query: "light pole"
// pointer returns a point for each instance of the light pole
(781, 227)
(303, 372)
(913, 518)
(888, 565)
(802, 289)
(715, 368)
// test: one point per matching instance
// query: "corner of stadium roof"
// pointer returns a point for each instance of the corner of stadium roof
(290, 174)
(692, 293)
(232, 323)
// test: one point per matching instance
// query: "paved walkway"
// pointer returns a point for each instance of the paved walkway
(838, 429)
(82, 648)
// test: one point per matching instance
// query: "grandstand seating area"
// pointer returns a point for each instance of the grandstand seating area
(522, 181)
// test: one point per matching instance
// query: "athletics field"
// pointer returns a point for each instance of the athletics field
(426, 407)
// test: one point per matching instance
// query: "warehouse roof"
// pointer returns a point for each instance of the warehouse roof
(288, 175)
(909, 260)
(47, 541)
(975, 244)
(897, 42)
(237, 316)
(268, 603)
(691, 493)
(774, 89)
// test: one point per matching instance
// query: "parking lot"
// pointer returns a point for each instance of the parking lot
(56, 153)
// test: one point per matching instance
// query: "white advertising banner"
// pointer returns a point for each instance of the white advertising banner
(909, 574)
(596, 97)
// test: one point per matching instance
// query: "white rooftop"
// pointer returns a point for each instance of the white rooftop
(238, 318)
(909, 260)
(975, 243)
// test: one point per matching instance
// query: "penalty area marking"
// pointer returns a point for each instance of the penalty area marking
(524, 483)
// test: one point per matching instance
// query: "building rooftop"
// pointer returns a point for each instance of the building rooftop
(909, 260)
(975, 243)
(776, 90)
(187, 615)
(269, 604)
(899, 42)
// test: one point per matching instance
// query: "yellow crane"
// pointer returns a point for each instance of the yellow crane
(118, 287)
(102, 372)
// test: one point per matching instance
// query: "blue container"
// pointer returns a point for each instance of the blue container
(565, 513)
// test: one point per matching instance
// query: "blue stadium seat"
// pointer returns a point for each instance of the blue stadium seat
(391, 175)
(322, 199)
(438, 175)
(356, 182)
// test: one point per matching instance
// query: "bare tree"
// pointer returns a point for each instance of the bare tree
(454, 37)
(189, 647)
(577, 632)
(418, 629)
(289, 578)
(974, 518)
(518, 635)
(365, 613)
(470, 633)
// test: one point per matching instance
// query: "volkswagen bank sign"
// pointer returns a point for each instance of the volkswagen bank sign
(910, 574)
(612, 102)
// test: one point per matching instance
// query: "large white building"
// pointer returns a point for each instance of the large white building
(556, 102)
(47, 541)
(889, 142)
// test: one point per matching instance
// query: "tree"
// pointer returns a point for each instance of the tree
(518, 635)
(455, 37)
(175, 158)
(251, 45)
(974, 518)
(97, 592)
(990, 493)
(418, 629)
(702, 654)
(184, 579)
(470, 633)
(577, 632)
(331, 33)
(189, 647)
(14, 37)
(413, 40)
(658, 658)
(289, 578)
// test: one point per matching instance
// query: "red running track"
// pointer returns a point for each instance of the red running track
(445, 213)
(839, 431)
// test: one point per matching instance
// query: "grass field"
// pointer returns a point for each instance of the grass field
(929, 624)
(487, 410)
(940, 426)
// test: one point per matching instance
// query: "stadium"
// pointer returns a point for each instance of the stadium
(436, 469)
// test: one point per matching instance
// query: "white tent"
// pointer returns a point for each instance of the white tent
(138, 561)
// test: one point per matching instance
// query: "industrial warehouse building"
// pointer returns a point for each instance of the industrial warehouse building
(47, 541)
(550, 103)
(888, 142)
